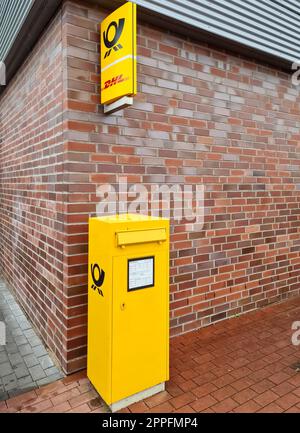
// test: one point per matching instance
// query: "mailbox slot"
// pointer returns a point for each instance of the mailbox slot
(141, 236)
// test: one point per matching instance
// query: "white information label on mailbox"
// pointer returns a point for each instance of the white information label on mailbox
(140, 273)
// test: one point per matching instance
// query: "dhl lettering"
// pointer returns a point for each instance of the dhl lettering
(113, 81)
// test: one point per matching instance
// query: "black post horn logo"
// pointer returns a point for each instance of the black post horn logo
(112, 44)
(98, 276)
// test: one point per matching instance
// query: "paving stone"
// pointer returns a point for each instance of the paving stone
(29, 333)
(34, 341)
(16, 332)
(17, 311)
(237, 334)
(24, 361)
(11, 348)
(21, 371)
(20, 340)
(40, 351)
(26, 349)
(25, 381)
(3, 357)
(16, 391)
(49, 379)
(5, 369)
(37, 372)
(24, 324)
(15, 359)
(52, 370)
(11, 323)
(3, 395)
(46, 362)
(9, 340)
(11, 382)
(31, 360)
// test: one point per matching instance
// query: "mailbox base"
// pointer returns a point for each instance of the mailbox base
(137, 397)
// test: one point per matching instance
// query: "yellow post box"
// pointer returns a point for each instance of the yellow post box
(128, 307)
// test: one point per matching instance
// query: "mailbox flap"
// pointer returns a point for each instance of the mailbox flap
(141, 236)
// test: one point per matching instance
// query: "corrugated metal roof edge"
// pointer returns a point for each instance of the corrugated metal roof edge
(218, 41)
(42, 12)
(18, 19)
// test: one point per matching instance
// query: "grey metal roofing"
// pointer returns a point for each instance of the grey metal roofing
(12, 15)
(21, 23)
(270, 26)
(267, 29)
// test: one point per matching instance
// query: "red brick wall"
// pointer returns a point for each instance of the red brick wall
(31, 189)
(201, 116)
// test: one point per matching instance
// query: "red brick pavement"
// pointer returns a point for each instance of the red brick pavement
(245, 364)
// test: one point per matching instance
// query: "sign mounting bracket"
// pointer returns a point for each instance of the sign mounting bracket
(120, 104)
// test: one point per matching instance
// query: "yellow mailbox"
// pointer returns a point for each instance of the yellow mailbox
(128, 307)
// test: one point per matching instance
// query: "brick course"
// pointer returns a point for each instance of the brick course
(201, 116)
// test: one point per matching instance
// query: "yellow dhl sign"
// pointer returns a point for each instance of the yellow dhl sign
(118, 54)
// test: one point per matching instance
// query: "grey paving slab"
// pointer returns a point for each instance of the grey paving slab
(37, 372)
(11, 347)
(26, 381)
(35, 341)
(22, 371)
(25, 349)
(29, 333)
(15, 359)
(5, 369)
(39, 351)
(16, 332)
(31, 360)
(25, 362)
(3, 357)
(4, 395)
(46, 362)
(10, 382)
(49, 379)
(52, 370)
(20, 340)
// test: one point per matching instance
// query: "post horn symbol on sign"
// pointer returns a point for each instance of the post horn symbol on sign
(113, 42)
(98, 281)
